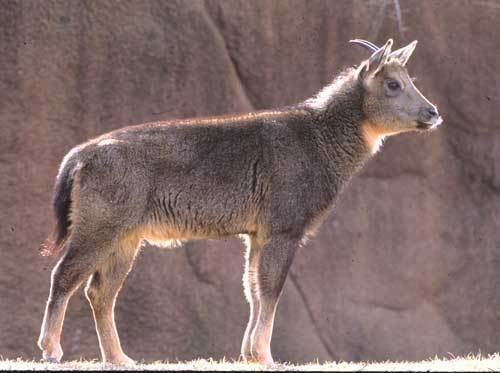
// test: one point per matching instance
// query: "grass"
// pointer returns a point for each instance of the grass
(470, 363)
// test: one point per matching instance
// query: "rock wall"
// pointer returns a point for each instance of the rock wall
(405, 268)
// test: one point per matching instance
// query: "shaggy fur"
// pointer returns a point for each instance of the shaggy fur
(270, 175)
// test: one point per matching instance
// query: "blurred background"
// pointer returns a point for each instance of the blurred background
(406, 267)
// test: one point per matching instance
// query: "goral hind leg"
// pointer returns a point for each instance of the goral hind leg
(102, 290)
(70, 272)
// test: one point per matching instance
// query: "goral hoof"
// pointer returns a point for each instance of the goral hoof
(50, 360)
(249, 360)
(267, 363)
(122, 361)
(278, 366)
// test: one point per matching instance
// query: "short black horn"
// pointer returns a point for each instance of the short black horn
(365, 43)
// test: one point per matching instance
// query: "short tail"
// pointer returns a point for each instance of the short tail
(62, 206)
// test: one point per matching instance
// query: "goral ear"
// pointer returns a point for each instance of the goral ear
(376, 61)
(404, 54)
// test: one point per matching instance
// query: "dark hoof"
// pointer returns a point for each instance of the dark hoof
(51, 360)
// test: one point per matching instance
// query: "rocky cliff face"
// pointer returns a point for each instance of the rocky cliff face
(405, 268)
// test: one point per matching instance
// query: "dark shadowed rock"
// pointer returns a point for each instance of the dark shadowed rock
(405, 268)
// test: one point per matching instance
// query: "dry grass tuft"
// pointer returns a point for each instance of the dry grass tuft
(470, 363)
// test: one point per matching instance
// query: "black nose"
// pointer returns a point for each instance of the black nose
(432, 112)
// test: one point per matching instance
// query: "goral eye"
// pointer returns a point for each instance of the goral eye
(393, 85)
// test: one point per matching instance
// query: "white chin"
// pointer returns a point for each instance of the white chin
(437, 122)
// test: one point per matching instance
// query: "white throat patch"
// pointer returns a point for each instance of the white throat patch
(373, 139)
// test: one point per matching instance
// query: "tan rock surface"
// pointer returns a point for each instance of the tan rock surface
(405, 268)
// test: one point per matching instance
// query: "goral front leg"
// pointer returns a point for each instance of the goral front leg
(274, 263)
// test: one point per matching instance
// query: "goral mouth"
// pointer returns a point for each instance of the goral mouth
(423, 126)
(426, 126)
